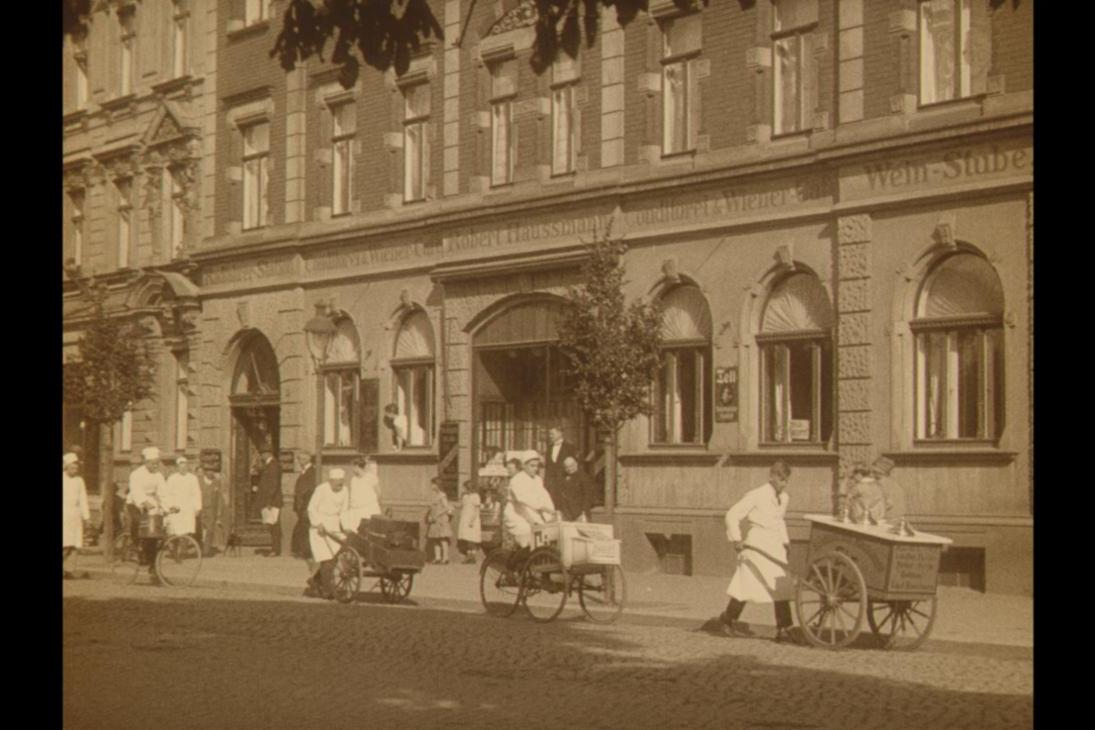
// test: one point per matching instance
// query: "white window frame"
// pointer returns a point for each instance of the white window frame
(124, 190)
(77, 200)
(256, 177)
(415, 156)
(255, 11)
(943, 422)
(799, 36)
(962, 81)
(342, 157)
(346, 381)
(776, 422)
(128, 52)
(179, 37)
(669, 400)
(409, 378)
(501, 128)
(182, 399)
(681, 62)
(564, 143)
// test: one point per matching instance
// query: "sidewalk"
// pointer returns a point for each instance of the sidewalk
(964, 615)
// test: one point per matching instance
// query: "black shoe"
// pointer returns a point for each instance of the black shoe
(735, 629)
(788, 635)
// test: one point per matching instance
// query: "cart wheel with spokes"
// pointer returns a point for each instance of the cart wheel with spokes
(602, 594)
(544, 584)
(499, 587)
(347, 574)
(902, 625)
(178, 561)
(831, 601)
(124, 565)
(397, 587)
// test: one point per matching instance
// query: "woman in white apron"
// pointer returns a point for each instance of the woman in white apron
(182, 500)
(760, 574)
(74, 509)
(329, 502)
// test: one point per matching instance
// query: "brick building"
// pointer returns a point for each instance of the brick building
(832, 200)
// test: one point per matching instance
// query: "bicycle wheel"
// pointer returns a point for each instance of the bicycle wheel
(602, 594)
(124, 566)
(178, 561)
(499, 587)
(347, 575)
(544, 584)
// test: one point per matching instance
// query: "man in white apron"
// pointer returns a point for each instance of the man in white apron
(325, 509)
(760, 575)
(74, 514)
(364, 492)
(182, 499)
(145, 484)
(529, 502)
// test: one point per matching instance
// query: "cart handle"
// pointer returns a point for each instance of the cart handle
(775, 560)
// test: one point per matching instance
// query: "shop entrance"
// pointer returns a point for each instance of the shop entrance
(256, 413)
(521, 388)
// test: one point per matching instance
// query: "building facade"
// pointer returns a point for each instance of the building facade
(832, 202)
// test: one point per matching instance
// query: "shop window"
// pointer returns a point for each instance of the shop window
(681, 38)
(413, 374)
(793, 65)
(682, 392)
(416, 150)
(796, 363)
(341, 378)
(503, 89)
(959, 352)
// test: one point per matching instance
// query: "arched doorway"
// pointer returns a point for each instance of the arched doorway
(255, 402)
(520, 385)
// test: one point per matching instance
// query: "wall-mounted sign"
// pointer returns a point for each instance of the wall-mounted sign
(726, 394)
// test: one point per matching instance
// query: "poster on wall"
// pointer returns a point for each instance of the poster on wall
(449, 449)
(726, 394)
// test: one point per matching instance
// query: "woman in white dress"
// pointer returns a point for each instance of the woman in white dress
(74, 509)
(760, 574)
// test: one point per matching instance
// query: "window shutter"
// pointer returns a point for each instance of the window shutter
(369, 427)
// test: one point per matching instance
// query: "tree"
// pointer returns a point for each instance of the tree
(387, 33)
(613, 348)
(112, 371)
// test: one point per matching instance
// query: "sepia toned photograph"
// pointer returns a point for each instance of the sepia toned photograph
(547, 364)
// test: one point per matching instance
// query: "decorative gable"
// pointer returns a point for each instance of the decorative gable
(524, 15)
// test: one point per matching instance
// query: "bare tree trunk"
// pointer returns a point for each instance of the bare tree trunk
(611, 471)
(106, 487)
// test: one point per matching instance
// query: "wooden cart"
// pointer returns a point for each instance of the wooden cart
(381, 548)
(868, 573)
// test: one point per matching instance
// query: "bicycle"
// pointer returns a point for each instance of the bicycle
(177, 560)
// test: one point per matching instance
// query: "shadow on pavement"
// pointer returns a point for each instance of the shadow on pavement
(205, 659)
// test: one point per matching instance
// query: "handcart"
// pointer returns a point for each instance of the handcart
(381, 548)
(878, 574)
(565, 557)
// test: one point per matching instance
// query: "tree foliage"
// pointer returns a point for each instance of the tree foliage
(113, 369)
(612, 345)
(388, 33)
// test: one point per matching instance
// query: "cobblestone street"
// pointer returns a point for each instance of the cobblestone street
(238, 658)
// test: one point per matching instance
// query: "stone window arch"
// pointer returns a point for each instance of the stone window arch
(413, 373)
(682, 391)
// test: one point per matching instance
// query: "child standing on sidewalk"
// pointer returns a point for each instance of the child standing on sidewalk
(439, 529)
(469, 534)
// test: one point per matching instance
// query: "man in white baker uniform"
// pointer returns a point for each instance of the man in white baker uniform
(182, 499)
(364, 493)
(325, 509)
(145, 484)
(529, 502)
(74, 508)
(760, 574)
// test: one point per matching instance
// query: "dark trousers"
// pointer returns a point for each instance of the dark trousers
(782, 609)
(299, 543)
(146, 547)
(322, 579)
(275, 536)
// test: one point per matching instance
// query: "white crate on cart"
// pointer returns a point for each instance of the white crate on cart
(574, 540)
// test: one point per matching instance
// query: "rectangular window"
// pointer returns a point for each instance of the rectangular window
(175, 216)
(945, 69)
(344, 118)
(681, 43)
(125, 222)
(959, 384)
(563, 138)
(416, 158)
(76, 200)
(796, 389)
(340, 408)
(414, 397)
(793, 58)
(179, 21)
(681, 394)
(255, 11)
(503, 89)
(125, 431)
(81, 80)
(128, 47)
(182, 400)
(256, 151)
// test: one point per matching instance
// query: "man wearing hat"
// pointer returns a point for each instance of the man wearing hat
(146, 482)
(529, 502)
(325, 509)
(302, 494)
(74, 507)
(270, 498)
(183, 499)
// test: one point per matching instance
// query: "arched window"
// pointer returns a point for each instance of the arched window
(959, 351)
(682, 412)
(796, 371)
(413, 370)
(341, 374)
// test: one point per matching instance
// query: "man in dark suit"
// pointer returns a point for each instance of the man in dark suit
(302, 492)
(577, 494)
(270, 498)
(556, 454)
